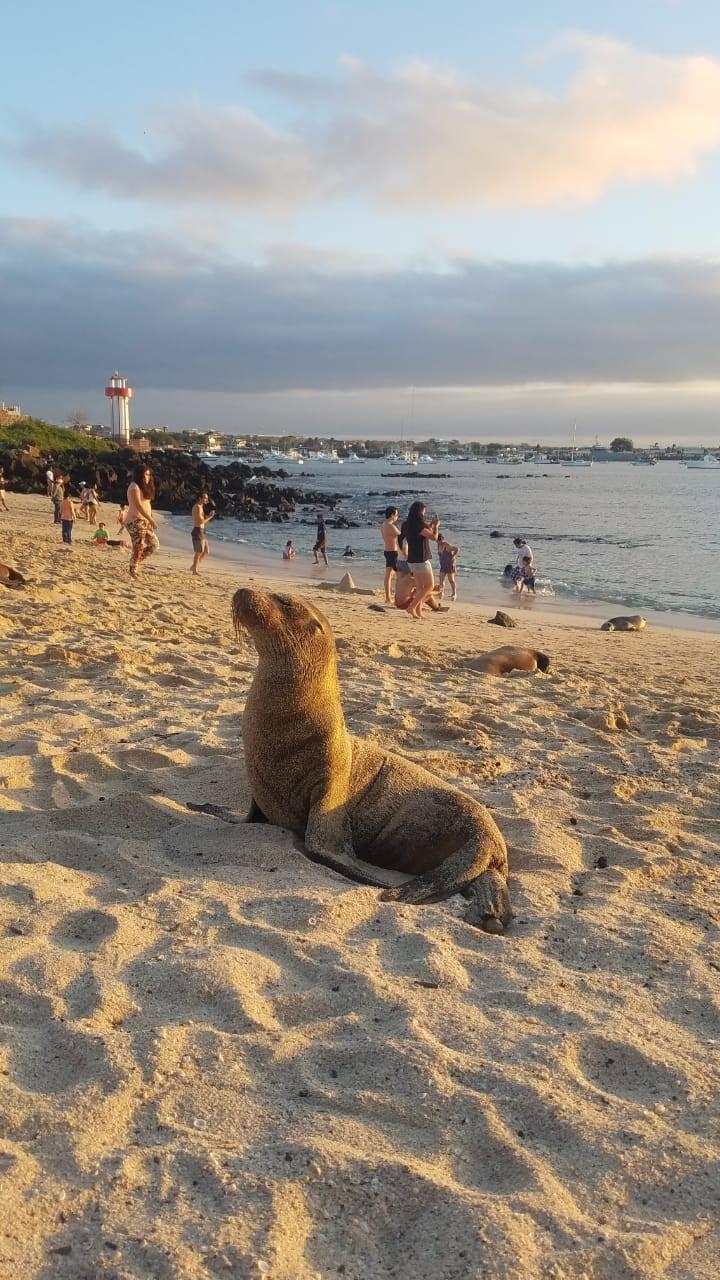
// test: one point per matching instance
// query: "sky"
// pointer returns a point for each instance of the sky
(356, 217)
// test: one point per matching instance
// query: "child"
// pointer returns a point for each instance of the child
(68, 516)
(528, 575)
(101, 536)
(289, 552)
(448, 566)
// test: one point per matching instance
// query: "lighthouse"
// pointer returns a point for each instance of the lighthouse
(119, 394)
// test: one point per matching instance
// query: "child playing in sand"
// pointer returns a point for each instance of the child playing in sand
(101, 536)
(527, 582)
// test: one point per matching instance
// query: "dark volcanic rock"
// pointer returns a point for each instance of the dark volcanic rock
(237, 490)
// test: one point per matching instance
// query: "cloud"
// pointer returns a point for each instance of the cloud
(77, 304)
(422, 138)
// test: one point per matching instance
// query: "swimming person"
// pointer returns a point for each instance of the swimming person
(139, 520)
(321, 541)
(289, 552)
(448, 565)
(416, 535)
(390, 533)
(201, 546)
(348, 551)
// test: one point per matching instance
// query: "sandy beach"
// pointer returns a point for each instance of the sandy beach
(218, 1059)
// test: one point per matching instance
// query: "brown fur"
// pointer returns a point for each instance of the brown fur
(631, 622)
(500, 662)
(359, 809)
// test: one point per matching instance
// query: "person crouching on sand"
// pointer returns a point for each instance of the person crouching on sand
(390, 534)
(139, 520)
(406, 590)
(201, 546)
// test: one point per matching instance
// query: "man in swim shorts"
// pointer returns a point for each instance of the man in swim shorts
(201, 547)
(390, 532)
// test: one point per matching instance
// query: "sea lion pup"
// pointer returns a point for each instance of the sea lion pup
(352, 801)
(500, 662)
(633, 622)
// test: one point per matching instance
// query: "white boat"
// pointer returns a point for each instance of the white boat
(574, 460)
(402, 459)
(644, 462)
(353, 457)
(708, 462)
(425, 457)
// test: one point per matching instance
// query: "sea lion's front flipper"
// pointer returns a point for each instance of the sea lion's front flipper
(327, 840)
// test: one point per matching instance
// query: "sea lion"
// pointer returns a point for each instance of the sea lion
(352, 802)
(10, 577)
(500, 662)
(633, 622)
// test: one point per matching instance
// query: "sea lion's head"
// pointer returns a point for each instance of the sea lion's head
(278, 623)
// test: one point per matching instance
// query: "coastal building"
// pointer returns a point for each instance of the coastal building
(9, 413)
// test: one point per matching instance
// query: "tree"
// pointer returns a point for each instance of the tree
(78, 420)
(621, 444)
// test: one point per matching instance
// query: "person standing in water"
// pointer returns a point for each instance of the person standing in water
(139, 520)
(447, 555)
(321, 541)
(201, 547)
(390, 533)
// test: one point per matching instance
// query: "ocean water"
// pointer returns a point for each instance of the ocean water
(637, 537)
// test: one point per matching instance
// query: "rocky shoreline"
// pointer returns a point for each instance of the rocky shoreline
(236, 490)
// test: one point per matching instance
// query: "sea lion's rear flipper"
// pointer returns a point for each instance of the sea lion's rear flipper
(328, 841)
(460, 873)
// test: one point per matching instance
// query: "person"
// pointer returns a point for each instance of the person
(68, 516)
(406, 591)
(50, 481)
(3, 503)
(415, 535)
(201, 547)
(92, 503)
(321, 541)
(122, 516)
(348, 551)
(58, 494)
(447, 555)
(390, 534)
(101, 537)
(521, 550)
(289, 551)
(527, 581)
(139, 520)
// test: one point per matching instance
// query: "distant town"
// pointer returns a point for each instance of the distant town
(279, 449)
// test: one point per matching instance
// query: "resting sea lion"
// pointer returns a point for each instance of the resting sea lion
(500, 662)
(351, 800)
(632, 623)
(503, 619)
(10, 577)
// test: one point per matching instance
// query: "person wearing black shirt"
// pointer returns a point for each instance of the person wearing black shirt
(415, 536)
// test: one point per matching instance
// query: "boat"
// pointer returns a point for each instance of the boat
(574, 460)
(644, 462)
(425, 457)
(708, 462)
(353, 457)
